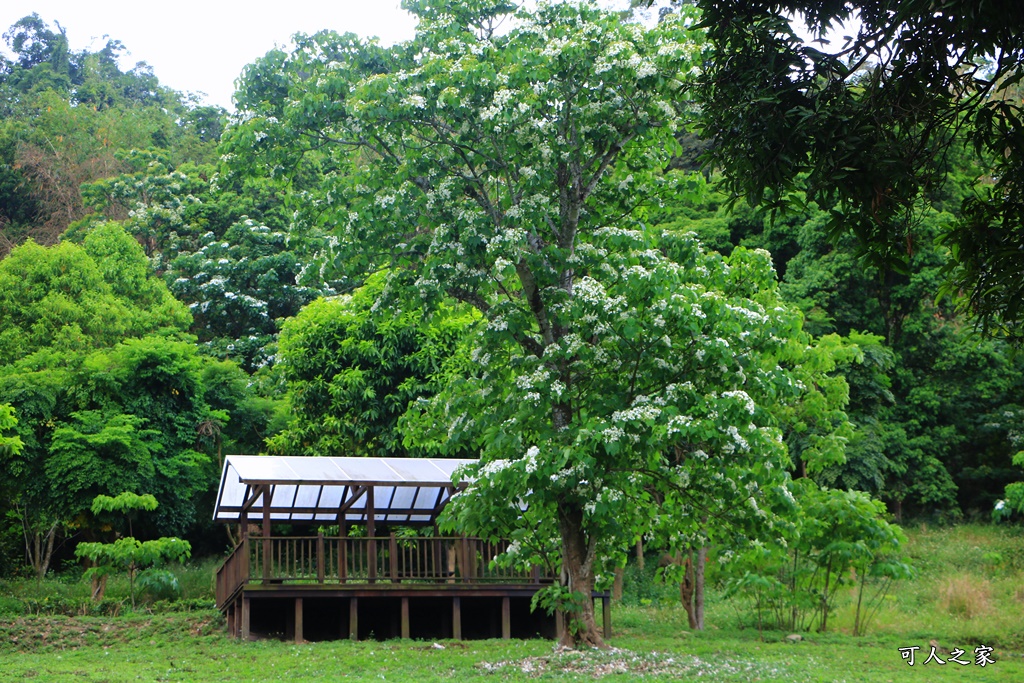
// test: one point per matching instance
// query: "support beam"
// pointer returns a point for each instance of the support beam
(506, 618)
(246, 613)
(457, 618)
(353, 618)
(357, 493)
(298, 621)
(405, 618)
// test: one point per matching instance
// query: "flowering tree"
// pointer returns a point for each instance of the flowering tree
(613, 368)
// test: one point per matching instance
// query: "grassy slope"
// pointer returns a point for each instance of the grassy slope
(969, 591)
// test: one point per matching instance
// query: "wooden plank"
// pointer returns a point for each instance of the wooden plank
(298, 621)
(457, 618)
(246, 613)
(405, 618)
(353, 618)
(506, 618)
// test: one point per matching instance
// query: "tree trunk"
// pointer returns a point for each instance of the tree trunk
(99, 587)
(687, 587)
(620, 573)
(698, 586)
(39, 549)
(578, 554)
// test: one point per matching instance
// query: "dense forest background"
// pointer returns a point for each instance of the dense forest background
(171, 292)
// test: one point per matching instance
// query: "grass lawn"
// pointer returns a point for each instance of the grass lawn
(650, 644)
(969, 591)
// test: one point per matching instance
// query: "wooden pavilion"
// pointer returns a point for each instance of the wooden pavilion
(387, 581)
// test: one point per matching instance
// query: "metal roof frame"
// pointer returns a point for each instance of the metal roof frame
(335, 490)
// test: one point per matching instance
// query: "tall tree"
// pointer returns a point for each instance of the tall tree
(489, 171)
(872, 122)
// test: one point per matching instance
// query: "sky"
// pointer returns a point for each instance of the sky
(203, 46)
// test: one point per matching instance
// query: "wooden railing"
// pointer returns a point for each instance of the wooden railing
(344, 560)
(233, 572)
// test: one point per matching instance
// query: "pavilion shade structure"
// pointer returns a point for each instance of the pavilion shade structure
(340, 490)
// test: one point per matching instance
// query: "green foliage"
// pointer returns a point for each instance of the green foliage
(224, 245)
(9, 445)
(159, 584)
(872, 124)
(837, 538)
(354, 367)
(71, 299)
(97, 452)
(123, 502)
(66, 115)
(130, 555)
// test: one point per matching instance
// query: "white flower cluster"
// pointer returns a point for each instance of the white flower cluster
(493, 467)
(640, 411)
(678, 424)
(531, 459)
(743, 397)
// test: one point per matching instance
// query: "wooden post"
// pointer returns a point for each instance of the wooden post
(559, 624)
(506, 618)
(464, 572)
(606, 614)
(371, 532)
(244, 568)
(436, 569)
(298, 621)
(320, 557)
(266, 532)
(457, 618)
(246, 611)
(405, 618)
(353, 618)
(393, 558)
(343, 552)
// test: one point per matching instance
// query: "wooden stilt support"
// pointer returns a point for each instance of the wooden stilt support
(298, 621)
(353, 618)
(405, 618)
(246, 610)
(457, 618)
(506, 618)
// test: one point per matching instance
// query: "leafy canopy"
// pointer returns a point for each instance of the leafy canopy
(612, 367)
(870, 124)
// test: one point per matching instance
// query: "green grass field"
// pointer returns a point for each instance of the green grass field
(969, 591)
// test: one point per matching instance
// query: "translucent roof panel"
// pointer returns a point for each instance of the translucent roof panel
(326, 489)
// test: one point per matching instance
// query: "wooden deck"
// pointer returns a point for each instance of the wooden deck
(349, 587)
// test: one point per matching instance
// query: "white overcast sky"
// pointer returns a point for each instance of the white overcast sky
(202, 46)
